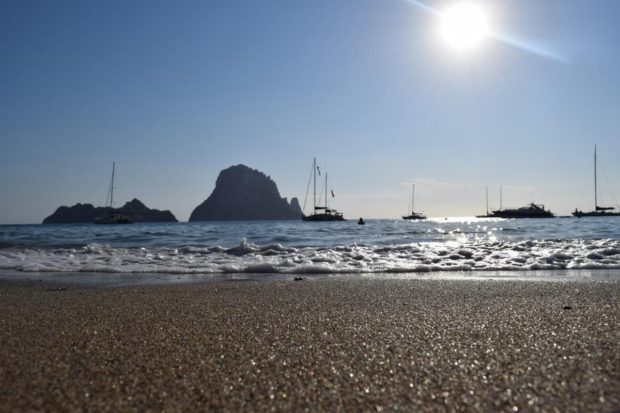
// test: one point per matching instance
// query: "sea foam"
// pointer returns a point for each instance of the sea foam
(246, 257)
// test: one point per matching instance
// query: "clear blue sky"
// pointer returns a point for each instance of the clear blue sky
(176, 91)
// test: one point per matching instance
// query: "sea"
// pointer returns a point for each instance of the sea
(256, 249)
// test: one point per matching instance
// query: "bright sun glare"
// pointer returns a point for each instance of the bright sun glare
(464, 25)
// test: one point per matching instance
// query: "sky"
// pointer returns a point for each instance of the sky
(174, 92)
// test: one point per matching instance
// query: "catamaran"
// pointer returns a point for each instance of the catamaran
(113, 216)
(599, 211)
(414, 215)
(320, 213)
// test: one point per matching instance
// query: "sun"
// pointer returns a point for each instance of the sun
(464, 26)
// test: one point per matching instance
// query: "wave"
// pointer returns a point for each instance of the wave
(247, 257)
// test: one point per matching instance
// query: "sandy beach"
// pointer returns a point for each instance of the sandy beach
(343, 343)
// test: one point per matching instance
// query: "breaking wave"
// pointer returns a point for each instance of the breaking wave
(246, 257)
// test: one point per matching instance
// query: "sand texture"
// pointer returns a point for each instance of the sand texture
(341, 344)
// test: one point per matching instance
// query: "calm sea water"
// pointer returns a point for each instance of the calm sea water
(296, 247)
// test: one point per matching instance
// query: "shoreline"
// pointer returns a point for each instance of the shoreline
(331, 343)
(94, 279)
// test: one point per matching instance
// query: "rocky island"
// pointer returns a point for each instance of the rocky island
(243, 193)
(86, 213)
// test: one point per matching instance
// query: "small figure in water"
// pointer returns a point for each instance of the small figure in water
(361, 222)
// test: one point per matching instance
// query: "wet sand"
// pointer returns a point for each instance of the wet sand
(345, 343)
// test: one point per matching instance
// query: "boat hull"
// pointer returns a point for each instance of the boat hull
(113, 220)
(510, 214)
(531, 211)
(323, 217)
(580, 214)
(414, 217)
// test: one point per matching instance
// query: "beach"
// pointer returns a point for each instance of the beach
(348, 343)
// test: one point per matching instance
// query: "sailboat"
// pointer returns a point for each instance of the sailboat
(487, 215)
(414, 215)
(321, 213)
(113, 216)
(599, 211)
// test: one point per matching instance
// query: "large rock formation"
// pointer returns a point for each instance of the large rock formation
(86, 213)
(242, 193)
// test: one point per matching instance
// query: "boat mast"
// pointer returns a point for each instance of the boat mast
(325, 191)
(314, 199)
(487, 198)
(412, 197)
(110, 196)
(595, 189)
(500, 197)
(112, 186)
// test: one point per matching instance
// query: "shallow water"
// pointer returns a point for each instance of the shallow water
(296, 247)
